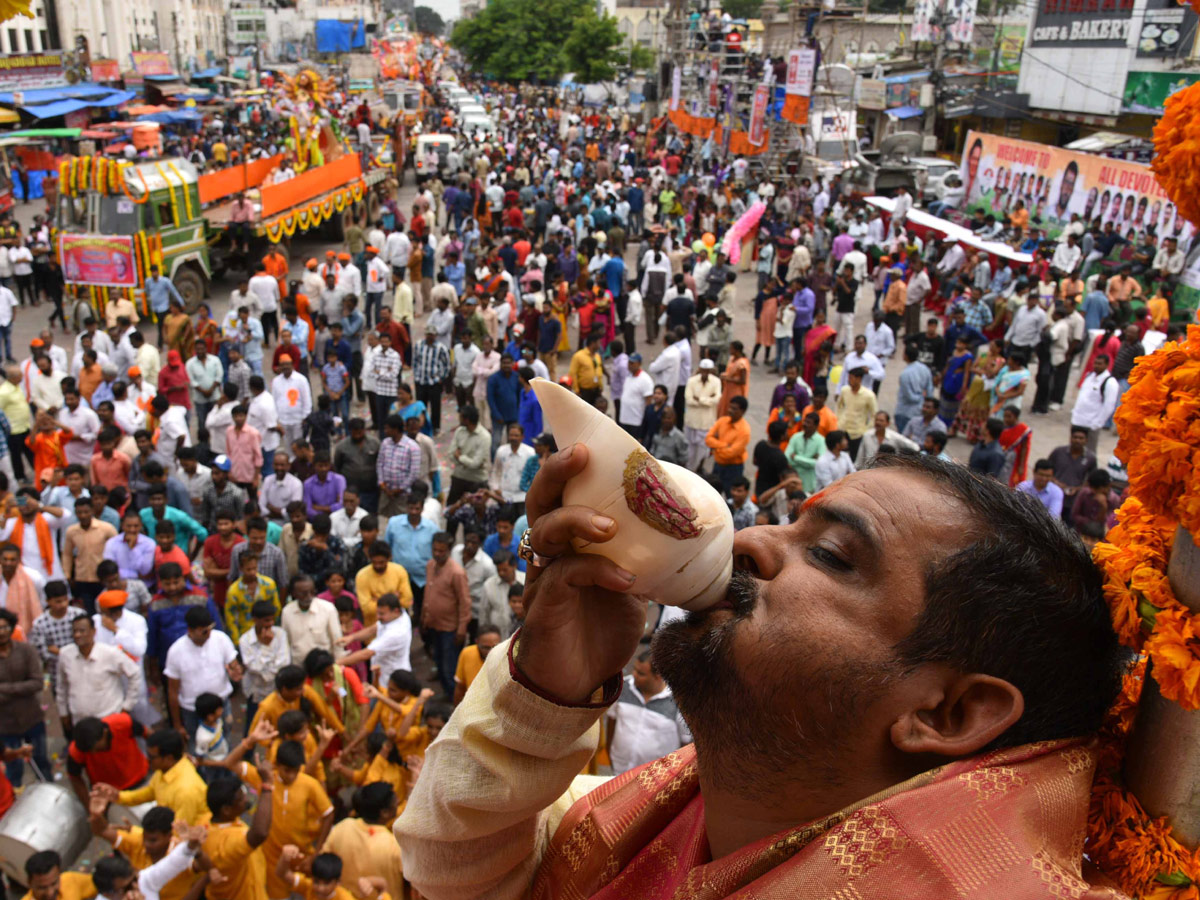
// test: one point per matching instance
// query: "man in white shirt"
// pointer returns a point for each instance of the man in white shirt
(1169, 260)
(390, 641)
(125, 630)
(22, 264)
(1096, 400)
(835, 462)
(379, 277)
(8, 302)
(264, 289)
(644, 724)
(172, 432)
(1066, 256)
(881, 340)
(94, 679)
(203, 661)
(667, 368)
(860, 356)
(279, 489)
(478, 566)
(45, 390)
(84, 426)
(509, 463)
(264, 652)
(902, 204)
(293, 400)
(347, 522)
(636, 392)
(397, 249)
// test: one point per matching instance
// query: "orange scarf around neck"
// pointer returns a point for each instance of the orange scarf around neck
(1002, 825)
(44, 539)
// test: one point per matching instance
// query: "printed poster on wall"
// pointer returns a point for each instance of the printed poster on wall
(758, 116)
(99, 259)
(146, 62)
(1055, 183)
(922, 24)
(962, 19)
(802, 64)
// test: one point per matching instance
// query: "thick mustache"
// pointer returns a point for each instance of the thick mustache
(742, 593)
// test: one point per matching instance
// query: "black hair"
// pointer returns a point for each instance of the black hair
(88, 733)
(107, 870)
(167, 743)
(326, 867)
(291, 721)
(221, 793)
(197, 616)
(371, 801)
(160, 820)
(57, 588)
(1021, 601)
(262, 609)
(207, 704)
(404, 680)
(289, 678)
(290, 754)
(317, 660)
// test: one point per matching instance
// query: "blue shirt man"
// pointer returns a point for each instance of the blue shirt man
(805, 304)
(411, 542)
(456, 274)
(185, 526)
(1095, 309)
(636, 199)
(504, 393)
(159, 290)
(916, 383)
(614, 276)
(1047, 492)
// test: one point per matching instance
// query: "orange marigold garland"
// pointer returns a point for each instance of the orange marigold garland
(1177, 151)
(1159, 424)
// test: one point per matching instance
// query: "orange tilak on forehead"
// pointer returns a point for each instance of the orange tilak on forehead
(811, 501)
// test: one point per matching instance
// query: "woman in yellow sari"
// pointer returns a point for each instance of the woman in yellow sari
(560, 305)
(178, 331)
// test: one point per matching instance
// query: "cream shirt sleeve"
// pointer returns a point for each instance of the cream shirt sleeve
(494, 787)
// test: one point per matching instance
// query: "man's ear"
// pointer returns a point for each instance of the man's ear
(958, 715)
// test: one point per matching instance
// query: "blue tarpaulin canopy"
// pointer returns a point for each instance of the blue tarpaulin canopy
(172, 117)
(334, 36)
(170, 76)
(207, 73)
(59, 108)
(114, 99)
(905, 112)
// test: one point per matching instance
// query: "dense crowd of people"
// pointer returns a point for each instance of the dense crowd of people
(227, 536)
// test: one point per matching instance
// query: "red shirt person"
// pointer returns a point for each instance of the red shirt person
(107, 750)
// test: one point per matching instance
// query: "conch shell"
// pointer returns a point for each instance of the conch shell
(674, 531)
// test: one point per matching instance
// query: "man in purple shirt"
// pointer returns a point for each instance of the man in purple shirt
(131, 550)
(323, 491)
(842, 244)
(805, 305)
(791, 384)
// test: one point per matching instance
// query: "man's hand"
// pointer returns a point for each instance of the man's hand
(97, 804)
(264, 732)
(425, 694)
(235, 671)
(582, 624)
(107, 791)
(265, 771)
(109, 623)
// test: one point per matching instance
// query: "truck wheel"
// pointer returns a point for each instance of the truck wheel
(190, 285)
(335, 227)
(372, 207)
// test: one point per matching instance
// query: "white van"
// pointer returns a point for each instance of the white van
(477, 123)
(441, 143)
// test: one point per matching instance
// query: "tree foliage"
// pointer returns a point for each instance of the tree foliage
(428, 21)
(642, 58)
(539, 40)
(742, 9)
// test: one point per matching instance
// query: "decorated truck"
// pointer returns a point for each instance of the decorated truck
(116, 218)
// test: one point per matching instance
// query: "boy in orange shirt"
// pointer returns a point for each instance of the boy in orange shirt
(47, 443)
(301, 815)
